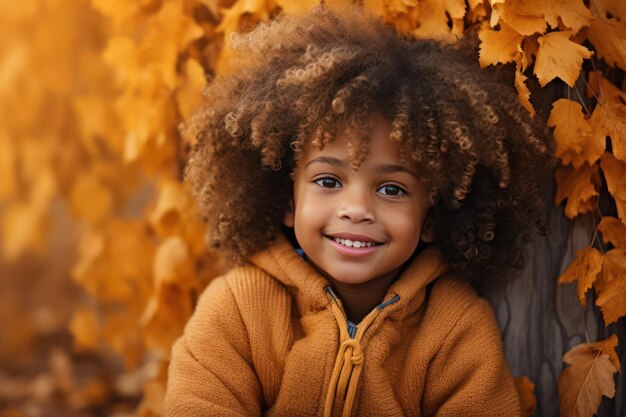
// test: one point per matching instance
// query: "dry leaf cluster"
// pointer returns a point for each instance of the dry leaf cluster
(95, 91)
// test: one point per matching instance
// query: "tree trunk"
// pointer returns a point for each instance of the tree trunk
(541, 320)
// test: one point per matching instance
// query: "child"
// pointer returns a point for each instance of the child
(359, 180)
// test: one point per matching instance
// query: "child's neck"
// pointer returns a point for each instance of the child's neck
(359, 299)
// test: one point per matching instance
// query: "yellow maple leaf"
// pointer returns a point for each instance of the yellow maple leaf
(613, 231)
(189, 93)
(297, 7)
(610, 119)
(524, 16)
(616, 8)
(24, 224)
(579, 186)
(258, 9)
(8, 162)
(608, 37)
(606, 91)
(403, 14)
(575, 142)
(559, 57)
(615, 174)
(85, 329)
(523, 91)
(122, 54)
(122, 333)
(611, 286)
(585, 269)
(173, 264)
(90, 199)
(573, 13)
(170, 31)
(434, 18)
(585, 381)
(500, 46)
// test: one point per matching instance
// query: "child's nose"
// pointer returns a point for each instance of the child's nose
(356, 206)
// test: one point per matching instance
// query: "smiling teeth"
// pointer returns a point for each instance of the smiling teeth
(354, 243)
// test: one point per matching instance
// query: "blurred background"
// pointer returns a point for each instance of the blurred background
(101, 255)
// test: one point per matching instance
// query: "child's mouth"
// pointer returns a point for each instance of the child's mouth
(353, 248)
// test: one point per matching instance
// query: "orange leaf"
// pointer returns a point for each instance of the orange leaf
(614, 7)
(613, 231)
(523, 91)
(615, 174)
(559, 57)
(173, 264)
(606, 91)
(434, 16)
(575, 143)
(85, 330)
(525, 389)
(608, 346)
(610, 119)
(608, 37)
(582, 385)
(611, 286)
(585, 269)
(498, 46)
(578, 186)
(574, 14)
(525, 17)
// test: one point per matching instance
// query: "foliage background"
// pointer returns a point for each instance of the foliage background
(102, 256)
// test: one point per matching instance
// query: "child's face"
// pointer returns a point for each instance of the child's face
(381, 203)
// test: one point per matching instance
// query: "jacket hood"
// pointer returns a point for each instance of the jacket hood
(281, 260)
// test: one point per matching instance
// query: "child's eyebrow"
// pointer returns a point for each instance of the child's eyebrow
(382, 168)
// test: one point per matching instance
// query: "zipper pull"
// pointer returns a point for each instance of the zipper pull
(351, 329)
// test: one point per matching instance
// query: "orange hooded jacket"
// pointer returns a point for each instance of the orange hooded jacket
(271, 338)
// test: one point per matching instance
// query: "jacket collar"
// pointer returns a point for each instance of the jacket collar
(281, 260)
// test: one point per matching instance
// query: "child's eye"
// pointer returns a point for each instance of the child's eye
(327, 182)
(393, 190)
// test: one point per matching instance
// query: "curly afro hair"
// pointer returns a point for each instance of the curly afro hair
(297, 79)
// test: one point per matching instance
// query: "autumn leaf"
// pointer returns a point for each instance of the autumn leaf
(575, 142)
(605, 90)
(611, 286)
(587, 379)
(297, 7)
(610, 120)
(559, 57)
(259, 9)
(615, 174)
(433, 19)
(523, 91)
(498, 46)
(91, 199)
(189, 93)
(613, 231)
(85, 329)
(170, 31)
(585, 269)
(579, 186)
(608, 37)
(525, 17)
(525, 389)
(616, 8)
(573, 13)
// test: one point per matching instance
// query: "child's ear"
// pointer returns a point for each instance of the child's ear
(289, 215)
(428, 230)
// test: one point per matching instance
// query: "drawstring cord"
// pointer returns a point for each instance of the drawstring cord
(347, 370)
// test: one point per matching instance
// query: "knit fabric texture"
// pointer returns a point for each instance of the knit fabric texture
(271, 338)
